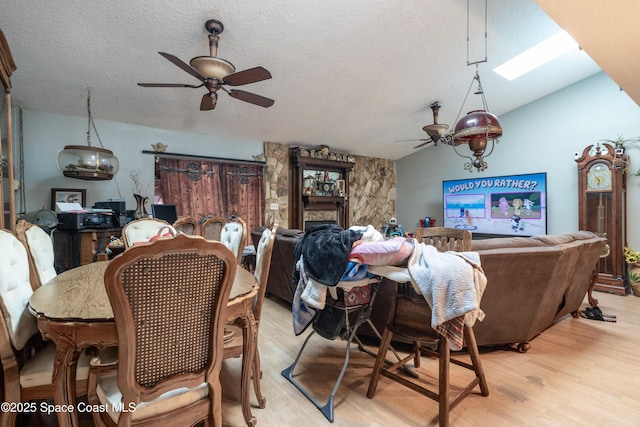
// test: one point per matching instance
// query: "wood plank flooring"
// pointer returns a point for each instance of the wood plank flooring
(579, 372)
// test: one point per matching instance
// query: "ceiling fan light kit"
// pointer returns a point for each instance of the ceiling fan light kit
(215, 73)
(85, 161)
(212, 68)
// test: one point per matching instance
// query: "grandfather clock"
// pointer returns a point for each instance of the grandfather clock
(602, 209)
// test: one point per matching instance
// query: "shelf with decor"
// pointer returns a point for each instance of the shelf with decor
(319, 188)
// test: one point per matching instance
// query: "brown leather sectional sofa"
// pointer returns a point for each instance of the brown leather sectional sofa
(532, 282)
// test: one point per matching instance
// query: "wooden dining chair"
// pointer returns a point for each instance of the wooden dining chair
(40, 250)
(211, 227)
(410, 320)
(187, 225)
(144, 229)
(169, 302)
(234, 235)
(27, 361)
(234, 346)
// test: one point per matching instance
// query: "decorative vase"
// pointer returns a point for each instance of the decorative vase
(141, 210)
(634, 279)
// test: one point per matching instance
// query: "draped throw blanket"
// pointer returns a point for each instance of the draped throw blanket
(453, 284)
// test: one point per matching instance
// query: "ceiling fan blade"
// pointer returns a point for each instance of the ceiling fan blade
(178, 62)
(208, 101)
(244, 77)
(414, 139)
(169, 85)
(424, 143)
(251, 98)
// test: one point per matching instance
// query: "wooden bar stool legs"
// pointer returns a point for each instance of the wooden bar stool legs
(445, 401)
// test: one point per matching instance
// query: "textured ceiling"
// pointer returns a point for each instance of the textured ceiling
(356, 75)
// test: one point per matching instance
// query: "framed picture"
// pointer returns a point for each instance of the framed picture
(68, 195)
(340, 187)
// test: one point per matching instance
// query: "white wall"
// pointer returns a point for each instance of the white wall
(45, 134)
(539, 137)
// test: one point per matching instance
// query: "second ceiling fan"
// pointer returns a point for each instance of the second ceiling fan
(216, 73)
(437, 131)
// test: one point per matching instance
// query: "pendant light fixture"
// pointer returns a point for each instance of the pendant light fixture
(480, 129)
(85, 161)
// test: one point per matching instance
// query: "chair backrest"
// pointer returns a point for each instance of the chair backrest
(263, 265)
(15, 291)
(142, 230)
(40, 249)
(186, 225)
(234, 236)
(169, 302)
(411, 309)
(211, 228)
(445, 238)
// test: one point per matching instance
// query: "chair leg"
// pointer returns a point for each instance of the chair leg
(443, 383)
(417, 354)
(8, 419)
(385, 342)
(472, 347)
(257, 376)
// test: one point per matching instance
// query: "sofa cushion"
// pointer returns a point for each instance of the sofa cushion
(505, 242)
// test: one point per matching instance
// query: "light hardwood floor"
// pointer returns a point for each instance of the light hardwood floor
(579, 372)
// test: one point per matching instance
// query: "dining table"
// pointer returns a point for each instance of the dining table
(73, 311)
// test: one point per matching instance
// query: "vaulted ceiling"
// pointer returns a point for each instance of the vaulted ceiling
(356, 75)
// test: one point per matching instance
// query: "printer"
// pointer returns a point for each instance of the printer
(118, 209)
(84, 219)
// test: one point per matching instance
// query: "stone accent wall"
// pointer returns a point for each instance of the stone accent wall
(372, 189)
(276, 183)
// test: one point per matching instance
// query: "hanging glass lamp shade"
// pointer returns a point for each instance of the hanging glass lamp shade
(477, 124)
(87, 162)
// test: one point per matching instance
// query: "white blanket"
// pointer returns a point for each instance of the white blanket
(451, 282)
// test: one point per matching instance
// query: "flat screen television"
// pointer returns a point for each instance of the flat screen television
(167, 212)
(509, 205)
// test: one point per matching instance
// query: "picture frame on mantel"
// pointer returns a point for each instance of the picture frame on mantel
(68, 195)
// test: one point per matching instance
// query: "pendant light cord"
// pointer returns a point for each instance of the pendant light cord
(91, 124)
(485, 34)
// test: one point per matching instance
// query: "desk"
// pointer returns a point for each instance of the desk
(73, 311)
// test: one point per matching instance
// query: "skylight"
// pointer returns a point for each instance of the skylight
(536, 56)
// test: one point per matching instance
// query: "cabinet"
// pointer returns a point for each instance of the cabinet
(319, 192)
(73, 248)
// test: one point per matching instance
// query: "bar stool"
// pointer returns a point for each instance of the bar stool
(410, 319)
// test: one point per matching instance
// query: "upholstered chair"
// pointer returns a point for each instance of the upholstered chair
(234, 346)
(211, 227)
(234, 236)
(186, 224)
(144, 230)
(27, 362)
(169, 361)
(40, 250)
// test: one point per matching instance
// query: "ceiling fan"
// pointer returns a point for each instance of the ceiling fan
(436, 131)
(215, 73)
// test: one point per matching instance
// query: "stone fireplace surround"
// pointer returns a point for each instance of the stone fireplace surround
(372, 189)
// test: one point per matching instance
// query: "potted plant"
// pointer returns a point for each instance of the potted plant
(632, 258)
